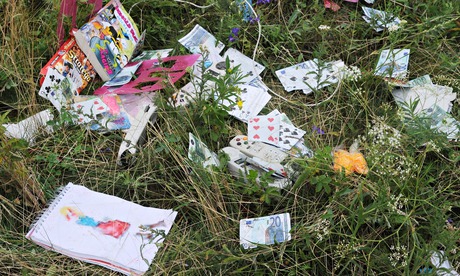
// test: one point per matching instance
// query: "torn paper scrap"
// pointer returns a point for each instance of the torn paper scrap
(152, 54)
(29, 128)
(125, 75)
(200, 41)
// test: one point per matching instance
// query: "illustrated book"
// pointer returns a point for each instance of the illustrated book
(71, 63)
(109, 39)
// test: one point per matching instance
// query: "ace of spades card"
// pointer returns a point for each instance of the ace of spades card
(57, 89)
(88, 109)
(264, 128)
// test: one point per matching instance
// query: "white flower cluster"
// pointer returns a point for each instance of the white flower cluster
(430, 145)
(324, 27)
(391, 165)
(393, 28)
(350, 73)
(385, 145)
(398, 255)
(384, 135)
(396, 204)
(358, 92)
(321, 229)
(345, 250)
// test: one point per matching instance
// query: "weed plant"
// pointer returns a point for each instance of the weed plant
(386, 223)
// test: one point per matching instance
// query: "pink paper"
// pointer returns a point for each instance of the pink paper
(113, 103)
(331, 5)
(69, 8)
(152, 77)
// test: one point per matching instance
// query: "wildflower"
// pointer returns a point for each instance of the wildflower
(324, 27)
(234, 35)
(322, 228)
(318, 130)
(393, 28)
(254, 20)
(262, 2)
(398, 255)
(396, 204)
(240, 103)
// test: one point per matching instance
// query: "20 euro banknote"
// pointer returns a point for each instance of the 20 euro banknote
(265, 230)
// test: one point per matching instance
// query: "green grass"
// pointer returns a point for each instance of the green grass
(398, 209)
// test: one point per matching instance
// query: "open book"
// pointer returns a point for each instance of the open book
(109, 39)
(102, 229)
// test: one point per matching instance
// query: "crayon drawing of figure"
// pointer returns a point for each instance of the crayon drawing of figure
(114, 228)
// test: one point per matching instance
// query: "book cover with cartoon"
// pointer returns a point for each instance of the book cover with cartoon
(73, 64)
(109, 39)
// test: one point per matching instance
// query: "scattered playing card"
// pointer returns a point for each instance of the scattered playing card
(249, 68)
(309, 75)
(53, 87)
(248, 103)
(289, 135)
(87, 109)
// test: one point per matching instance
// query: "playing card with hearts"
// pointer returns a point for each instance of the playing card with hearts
(289, 135)
(115, 118)
(88, 108)
(264, 129)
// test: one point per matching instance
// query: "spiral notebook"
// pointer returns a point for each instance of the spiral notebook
(102, 229)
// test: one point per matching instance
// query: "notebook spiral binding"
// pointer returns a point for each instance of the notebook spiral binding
(42, 215)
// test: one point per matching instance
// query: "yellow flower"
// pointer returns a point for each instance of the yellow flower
(240, 103)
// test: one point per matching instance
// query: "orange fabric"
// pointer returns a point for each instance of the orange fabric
(351, 162)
